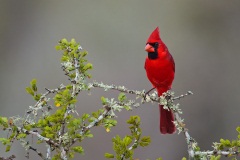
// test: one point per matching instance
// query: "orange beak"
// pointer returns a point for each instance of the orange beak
(149, 48)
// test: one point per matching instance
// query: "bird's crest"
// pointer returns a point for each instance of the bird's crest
(154, 37)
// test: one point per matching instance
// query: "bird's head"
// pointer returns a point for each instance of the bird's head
(153, 43)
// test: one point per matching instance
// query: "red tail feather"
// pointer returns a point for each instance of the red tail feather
(166, 116)
(166, 121)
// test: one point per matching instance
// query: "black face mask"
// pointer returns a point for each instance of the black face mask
(153, 55)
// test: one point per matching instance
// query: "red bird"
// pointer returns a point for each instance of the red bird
(160, 69)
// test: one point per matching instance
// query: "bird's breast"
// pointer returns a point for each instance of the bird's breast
(160, 72)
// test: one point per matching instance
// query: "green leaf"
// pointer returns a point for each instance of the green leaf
(234, 143)
(91, 119)
(74, 122)
(37, 97)
(88, 134)
(85, 116)
(56, 157)
(73, 101)
(58, 47)
(215, 157)
(108, 155)
(226, 142)
(95, 114)
(238, 129)
(184, 158)
(84, 53)
(68, 87)
(116, 139)
(127, 140)
(64, 58)
(77, 135)
(4, 141)
(109, 122)
(128, 108)
(64, 41)
(87, 66)
(12, 136)
(33, 84)
(71, 155)
(21, 135)
(48, 135)
(29, 91)
(87, 75)
(104, 100)
(28, 127)
(78, 149)
(122, 97)
(66, 93)
(145, 141)
(8, 148)
(73, 42)
(58, 97)
(76, 55)
(128, 154)
(3, 120)
(134, 120)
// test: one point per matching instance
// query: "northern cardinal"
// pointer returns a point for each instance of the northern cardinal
(160, 69)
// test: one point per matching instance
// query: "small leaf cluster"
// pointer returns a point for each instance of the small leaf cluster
(136, 132)
(122, 102)
(72, 53)
(4, 122)
(233, 146)
(32, 90)
(218, 157)
(7, 124)
(231, 149)
(107, 121)
(5, 141)
(64, 98)
(51, 127)
(124, 147)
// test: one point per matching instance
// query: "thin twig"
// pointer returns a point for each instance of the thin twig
(224, 153)
(182, 96)
(37, 151)
(40, 137)
(96, 121)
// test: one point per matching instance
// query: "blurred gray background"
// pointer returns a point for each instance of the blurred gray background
(203, 37)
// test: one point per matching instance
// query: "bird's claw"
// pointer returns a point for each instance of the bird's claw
(147, 93)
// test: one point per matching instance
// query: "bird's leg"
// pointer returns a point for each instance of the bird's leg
(147, 93)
